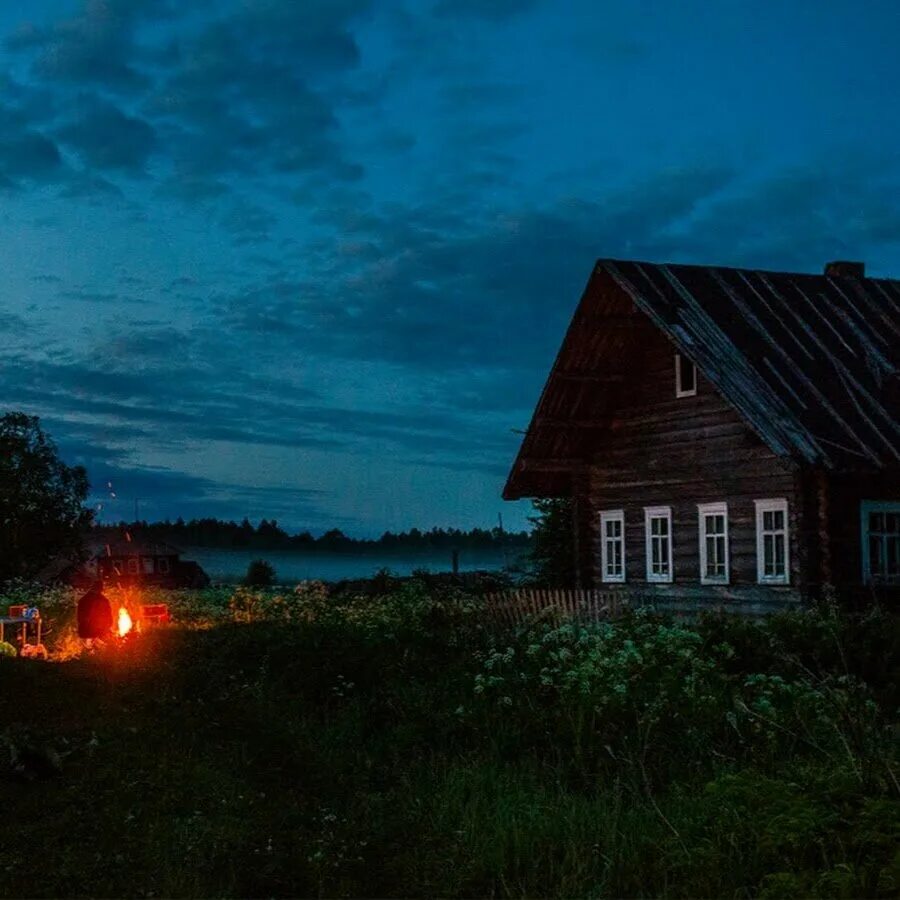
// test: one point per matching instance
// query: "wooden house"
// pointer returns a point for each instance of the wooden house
(725, 433)
(134, 562)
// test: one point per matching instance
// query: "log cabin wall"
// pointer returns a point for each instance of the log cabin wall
(663, 450)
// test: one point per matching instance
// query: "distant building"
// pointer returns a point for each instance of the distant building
(725, 433)
(139, 562)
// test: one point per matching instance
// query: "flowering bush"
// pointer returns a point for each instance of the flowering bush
(655, 694)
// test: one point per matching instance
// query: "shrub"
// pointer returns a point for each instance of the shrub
(260, 573)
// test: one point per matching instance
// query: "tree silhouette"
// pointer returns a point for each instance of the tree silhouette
(42, 511)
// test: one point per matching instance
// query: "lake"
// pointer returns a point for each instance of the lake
(231, 565)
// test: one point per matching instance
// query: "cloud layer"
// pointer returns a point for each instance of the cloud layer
(314, 259)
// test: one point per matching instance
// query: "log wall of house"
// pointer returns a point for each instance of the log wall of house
(662, 450)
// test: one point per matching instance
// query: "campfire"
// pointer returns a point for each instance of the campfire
(124, 623)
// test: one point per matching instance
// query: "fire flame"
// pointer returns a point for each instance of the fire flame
(125, 623)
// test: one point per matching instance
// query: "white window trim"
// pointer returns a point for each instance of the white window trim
(713, 509)
(611, 515)
(764, 506)
(679, 392)
(866, 507)
(658, 512)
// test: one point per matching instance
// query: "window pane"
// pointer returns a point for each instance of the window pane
(779, 554)
(687, 374)
(876, 566)
(768, 521)
(892, 523)
(769, 554)
(876, 522)
(892, 556)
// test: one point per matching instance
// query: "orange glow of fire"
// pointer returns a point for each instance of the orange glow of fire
(125, 623)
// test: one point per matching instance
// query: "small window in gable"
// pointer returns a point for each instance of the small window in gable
(685, 377)
(612, 546)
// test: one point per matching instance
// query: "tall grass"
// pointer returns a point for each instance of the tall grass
(296, 744)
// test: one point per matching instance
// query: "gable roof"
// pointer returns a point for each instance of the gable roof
(810, 362)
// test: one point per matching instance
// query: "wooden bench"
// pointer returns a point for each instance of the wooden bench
(155, 612)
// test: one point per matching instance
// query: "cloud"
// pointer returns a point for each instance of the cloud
(242, 96)
(26, 155)
(496, 10)
(169, 493)
(221, 91)
(94, 47)
(108, 139)
(435, 291)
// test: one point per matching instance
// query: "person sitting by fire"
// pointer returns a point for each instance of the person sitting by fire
(95, 618)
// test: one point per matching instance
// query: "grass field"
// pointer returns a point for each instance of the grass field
(285, 745)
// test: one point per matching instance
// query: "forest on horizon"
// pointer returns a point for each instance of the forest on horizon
(268, 535)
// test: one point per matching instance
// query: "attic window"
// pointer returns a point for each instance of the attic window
(685, 377)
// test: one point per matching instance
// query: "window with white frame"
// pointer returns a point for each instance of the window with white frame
(772, 547)
(132, 565)
(658, 532)
(147, 562)
(612, 545)
(713, 523)
(685, 377)
(881, 541)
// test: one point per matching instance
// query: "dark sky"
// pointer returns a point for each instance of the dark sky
(312, 259)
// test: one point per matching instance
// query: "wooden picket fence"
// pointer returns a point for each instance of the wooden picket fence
(514, 607)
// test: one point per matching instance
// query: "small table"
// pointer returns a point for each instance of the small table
(23, 622)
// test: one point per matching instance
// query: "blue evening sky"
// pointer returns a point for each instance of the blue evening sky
(312, 259)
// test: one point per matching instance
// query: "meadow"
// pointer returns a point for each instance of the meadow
(298, 743)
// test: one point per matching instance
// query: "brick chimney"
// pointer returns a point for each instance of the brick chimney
(844, 269)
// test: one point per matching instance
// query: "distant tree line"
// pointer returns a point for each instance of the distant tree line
(269, 535)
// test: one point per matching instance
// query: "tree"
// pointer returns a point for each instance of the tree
(260, 574)
(42, 512)
(553, 553)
